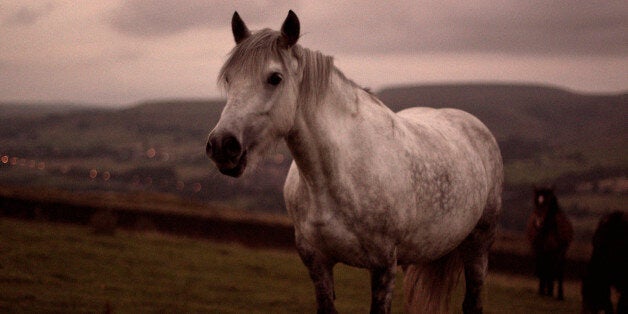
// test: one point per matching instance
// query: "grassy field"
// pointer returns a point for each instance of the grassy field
(65, 268)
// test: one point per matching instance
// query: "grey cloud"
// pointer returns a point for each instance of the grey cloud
(165, 17)
(450, 26)
(26, 15)
(514, 27)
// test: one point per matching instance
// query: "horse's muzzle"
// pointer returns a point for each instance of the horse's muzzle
(227, 153)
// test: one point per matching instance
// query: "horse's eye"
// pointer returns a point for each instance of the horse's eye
(274, 79)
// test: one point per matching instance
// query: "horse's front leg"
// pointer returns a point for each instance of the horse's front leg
(321, 273)
(560, 294)
(560, 274)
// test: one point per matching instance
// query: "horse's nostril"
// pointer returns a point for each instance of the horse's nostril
(232, 147)
(208, 149)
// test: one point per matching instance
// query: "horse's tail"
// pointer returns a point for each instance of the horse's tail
(427, 287)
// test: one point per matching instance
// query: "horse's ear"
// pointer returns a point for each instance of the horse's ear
(239, 29)
(290, 29)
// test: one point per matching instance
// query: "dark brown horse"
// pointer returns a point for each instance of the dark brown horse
(550, 233)
(608, 266)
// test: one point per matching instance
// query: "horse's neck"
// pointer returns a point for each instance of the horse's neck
(324, 131)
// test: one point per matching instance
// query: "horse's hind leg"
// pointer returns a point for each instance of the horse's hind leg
(550, 286)
(543, 286)
(474, 251)
(560, 294)
(382, 286)
(475, 268)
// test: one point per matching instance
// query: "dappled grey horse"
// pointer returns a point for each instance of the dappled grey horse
(420, 189)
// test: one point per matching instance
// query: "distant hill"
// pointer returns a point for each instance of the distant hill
(523, 112)
(526, 112)
(35, 109)
(182, 114)
(528, 120)
(577, 141)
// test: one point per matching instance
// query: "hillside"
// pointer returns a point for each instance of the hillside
(536, 117)
(547, 135)
(36, 110)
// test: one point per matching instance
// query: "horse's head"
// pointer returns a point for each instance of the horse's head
(545, 204)
(261, 79)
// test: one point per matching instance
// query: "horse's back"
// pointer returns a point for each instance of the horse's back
(467, 126)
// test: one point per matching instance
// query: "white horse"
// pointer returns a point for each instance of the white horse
(369, 188)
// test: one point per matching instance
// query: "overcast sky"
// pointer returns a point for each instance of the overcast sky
(122, 52)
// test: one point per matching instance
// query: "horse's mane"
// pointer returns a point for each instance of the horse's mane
(250, 56)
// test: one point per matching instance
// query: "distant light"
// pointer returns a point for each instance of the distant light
(106, 175)
(180, 185)
(93, 173)
(4, 159)
(165, 156)
(151, 152)
(41, 165)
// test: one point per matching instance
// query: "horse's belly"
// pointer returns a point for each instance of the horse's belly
(373, 238)
(361, 247)
(345, 244)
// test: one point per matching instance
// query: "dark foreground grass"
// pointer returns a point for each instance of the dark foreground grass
(62, 268)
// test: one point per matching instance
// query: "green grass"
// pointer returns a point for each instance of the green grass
(596, 203)
(62, 268)
(540, 170)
